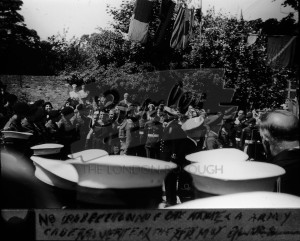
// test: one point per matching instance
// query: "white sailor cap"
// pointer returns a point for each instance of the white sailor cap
(220, 178)
(88, 155)
(122, 172)
(247, 200)
(62, 174)
(193, 123)
(218, 155)
(104, 172)
(46, 149)
(170, 111)
(16, 134)
(55, 173)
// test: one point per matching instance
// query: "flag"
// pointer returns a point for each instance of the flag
(281, 51)
(165, 16)
(251, 39)
(182, 28)
(139, 23)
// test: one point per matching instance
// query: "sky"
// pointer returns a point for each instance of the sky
(78, 17)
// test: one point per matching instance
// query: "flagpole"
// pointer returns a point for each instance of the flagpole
(200, 27)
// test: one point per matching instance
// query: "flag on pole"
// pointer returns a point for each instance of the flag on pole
(139, 23)
(281, 51)
(182, 29)
(165, 15)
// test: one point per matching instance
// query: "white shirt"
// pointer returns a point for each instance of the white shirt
(74, 95)
(83, 93)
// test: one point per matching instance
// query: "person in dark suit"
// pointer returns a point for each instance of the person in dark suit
(169, 146)
(279, 130)
(141, 151)
(195, 131)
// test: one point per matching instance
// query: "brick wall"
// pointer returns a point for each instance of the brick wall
(32, 88)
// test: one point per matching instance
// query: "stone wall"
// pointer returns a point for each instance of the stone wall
(32, 88)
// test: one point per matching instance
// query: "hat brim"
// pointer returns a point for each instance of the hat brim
(193, 124)
(16, 135)
(218, 155)
(170, 112)
(122, 172)
(234, 177)
(46, 149)
(246, 200)
(55, 173)
(88, 155)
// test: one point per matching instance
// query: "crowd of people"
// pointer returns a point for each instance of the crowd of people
(152, 130)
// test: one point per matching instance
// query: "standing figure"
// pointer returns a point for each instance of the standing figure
(279, 130)
(82, 121)
(74, 95)
(52, 132)
(169, 147)
(195, 132)
(153, 133)
(67, 131)
(151, 108)
(238, 126)
(125, 130)
(83, 94)
(227, 133)
(142, 138)
(101, 130)
(125, 100)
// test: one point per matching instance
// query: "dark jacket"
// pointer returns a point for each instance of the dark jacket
(170, 141)
(153, 132)
(289, 160)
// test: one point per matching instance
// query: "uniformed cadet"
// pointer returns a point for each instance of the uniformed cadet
(125, 130)
(88, 141)
(251, 141)
(227, 133)
(101, 132)
(239, 125)
(195, 131)
(153, 132)
(212, 124)
(114, 135)
(169, 146)
(141, 151)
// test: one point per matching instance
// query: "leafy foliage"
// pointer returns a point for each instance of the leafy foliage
(17, 42)
(107, 59)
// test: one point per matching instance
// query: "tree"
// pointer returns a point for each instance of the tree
(293, 3)
(223, 44)
(114, 62)
(17, 42)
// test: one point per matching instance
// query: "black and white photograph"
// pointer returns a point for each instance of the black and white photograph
(149, 120)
